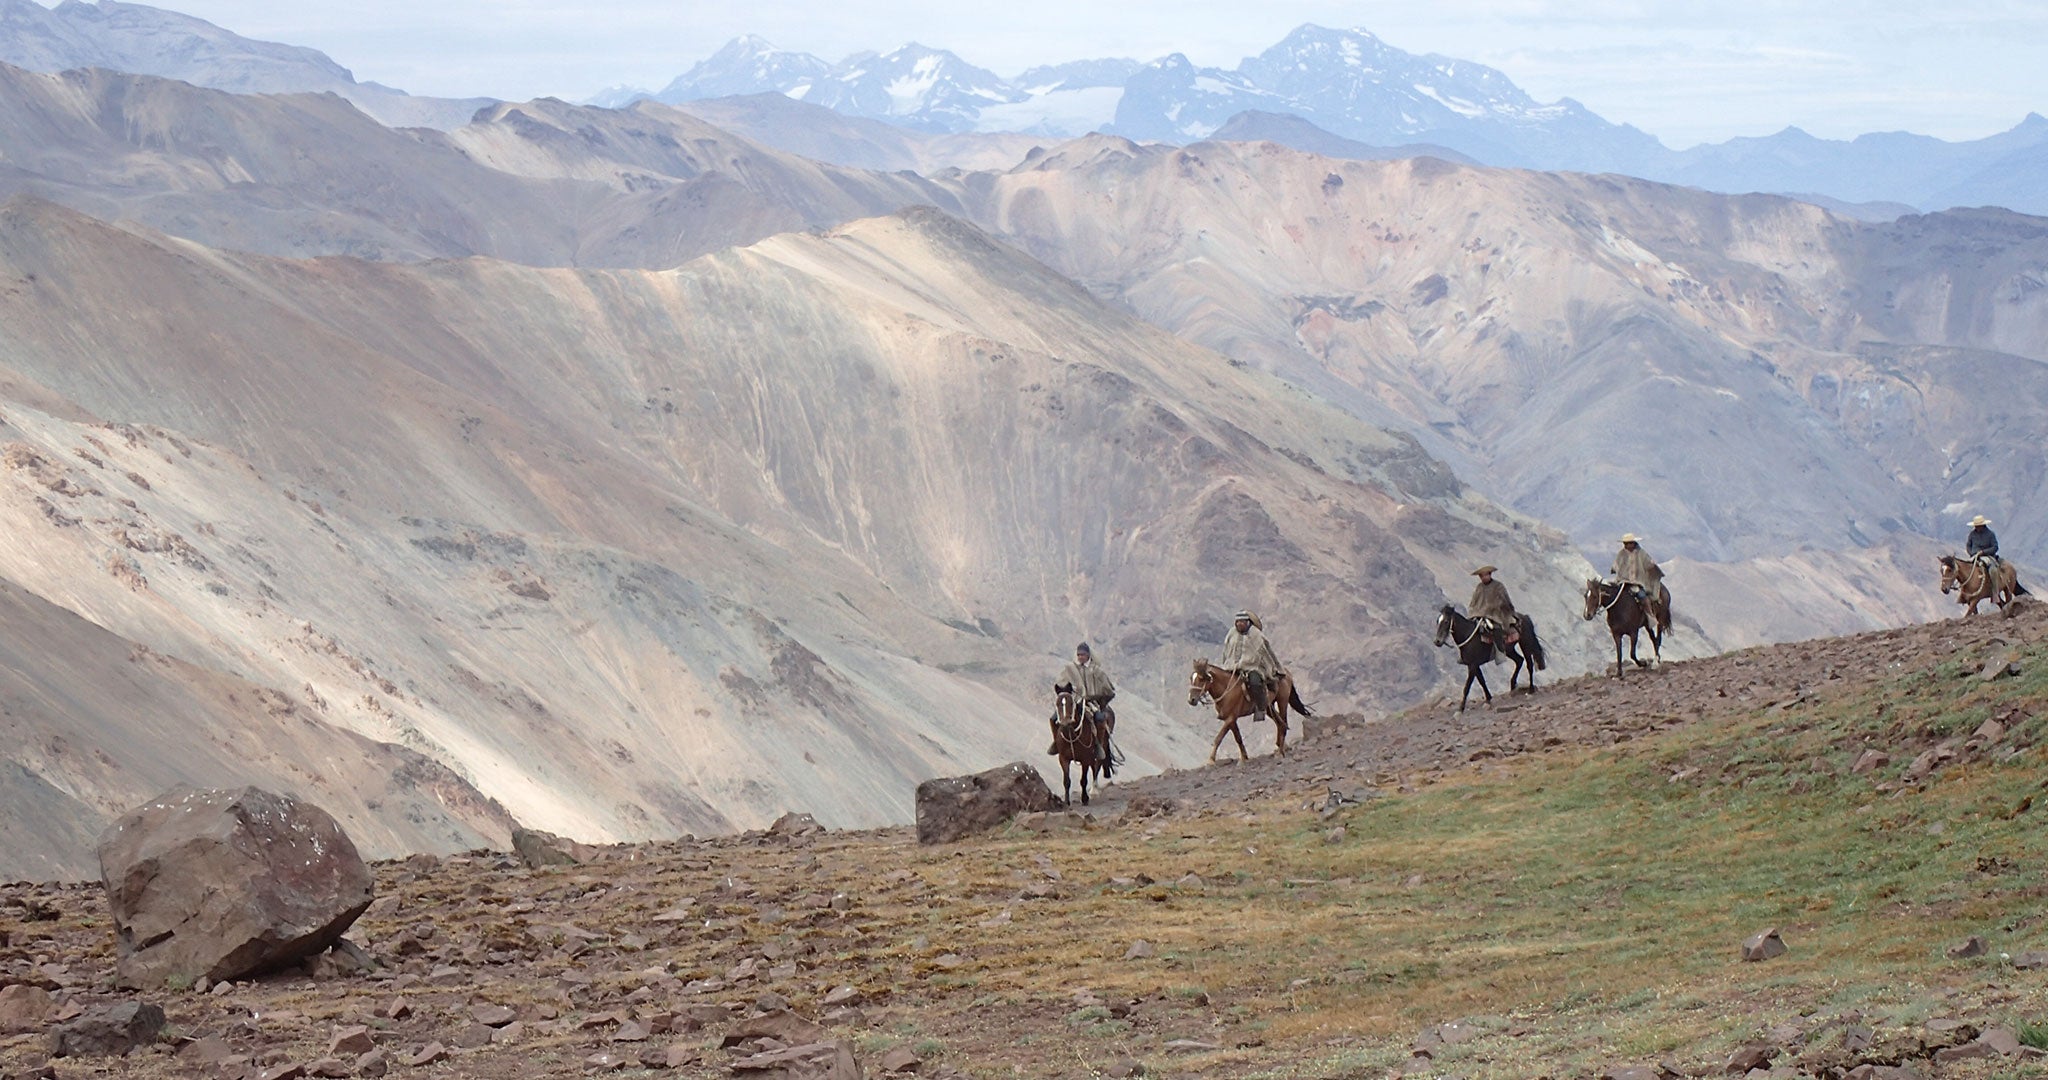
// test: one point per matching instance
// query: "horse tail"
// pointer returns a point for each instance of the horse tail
(1294, 701)
(1532, 647)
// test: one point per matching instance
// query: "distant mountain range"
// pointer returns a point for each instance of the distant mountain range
(1350, 94)
(1339, 93)
(141, 40)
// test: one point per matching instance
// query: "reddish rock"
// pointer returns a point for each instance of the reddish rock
(351, 1042)
(24, 1008)
(427, 1055)
(901, 1059)
(953, 808)
(217, 885)
(1753, 1056)
(1970, 948)
(373, 1064)
(1870, 761)
(496, 1016)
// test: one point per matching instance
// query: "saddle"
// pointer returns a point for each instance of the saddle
(1497, 634)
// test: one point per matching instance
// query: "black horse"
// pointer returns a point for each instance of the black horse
(1627, 616)
(1477, 648)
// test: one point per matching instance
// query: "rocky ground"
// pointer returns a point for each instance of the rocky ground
(1058, 947)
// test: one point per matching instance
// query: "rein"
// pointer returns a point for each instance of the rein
(1469, 638)
(1618, 591)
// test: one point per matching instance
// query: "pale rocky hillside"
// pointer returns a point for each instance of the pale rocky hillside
(1739, 378)
(637, 553)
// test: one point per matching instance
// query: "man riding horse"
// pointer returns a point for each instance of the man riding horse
(1090, 680)
(1634, 568)
(1248, 655)
(1492, 607)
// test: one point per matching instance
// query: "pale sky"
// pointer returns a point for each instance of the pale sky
(1686, 72)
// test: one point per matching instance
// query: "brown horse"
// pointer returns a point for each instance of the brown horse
(1080, 741)
(1233, 700)
(1972, 585)
(1626, 617)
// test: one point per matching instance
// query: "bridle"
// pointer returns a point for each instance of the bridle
(1619, 589)
(1067, 716)
(1201, 685)
(1447, 630)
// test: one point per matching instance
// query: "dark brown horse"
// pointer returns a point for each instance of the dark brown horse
(1233, 701)
(1476, 649)
(1972, 585)
(1627, 616)
(1081, 740)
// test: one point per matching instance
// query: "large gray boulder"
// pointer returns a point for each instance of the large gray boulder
(955, 807)
(223, 884)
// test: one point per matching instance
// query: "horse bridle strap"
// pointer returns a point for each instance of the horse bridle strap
(1474, 636)
(1622, 587)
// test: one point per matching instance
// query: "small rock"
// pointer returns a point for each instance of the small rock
(494, 1015)
(351, 1042)
(1966, 1052)
(510, 1033)
(109, 1030)
(2001, 1040)
(1125, 1067)
(475, 1036)
(631, 1031)
(1753, 1056)
(1870, 761)
(1764, 946)
(429, 1054)
(1140, 950)
(2028, 961)
(23, 1008)
(287, 1071)
(605, 1061)
(901, 1059)
(844, 995)
(1335, 835)
(329, 1068)
(375, 1063)
(1972, 947)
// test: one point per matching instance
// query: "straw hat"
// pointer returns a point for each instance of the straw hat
(1979, 520)
(1246, 615)
(1630, 538)
(1489, 568)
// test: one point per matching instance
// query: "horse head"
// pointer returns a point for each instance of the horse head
(1198, 682)
(1951, 575)
(1592, 598)
(1445, 620)
(1066, 714)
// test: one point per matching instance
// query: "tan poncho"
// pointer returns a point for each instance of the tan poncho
(1634, 566)
(1490, 601)
(1090, 680)
(1249, 651)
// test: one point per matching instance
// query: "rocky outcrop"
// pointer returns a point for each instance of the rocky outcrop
(956, 807)
(217, 885)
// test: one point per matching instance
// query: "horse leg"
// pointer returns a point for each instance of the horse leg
(1084, 782)
(1481, 675)
(1280, 729)
(1471, 673)
(1617, 655)
(1238, 734)
(1066, 779)
(1221, 731)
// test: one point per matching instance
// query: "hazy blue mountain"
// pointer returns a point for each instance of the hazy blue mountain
(1078, 75)
(746, 65)
(921, 88)
(140, 40)
(1289, 130)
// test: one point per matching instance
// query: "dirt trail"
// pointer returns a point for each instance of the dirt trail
(1345, 752)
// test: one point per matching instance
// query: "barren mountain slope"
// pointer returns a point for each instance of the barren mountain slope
(1735, 377)
(305, 175)
(639, 552)
(96, 725)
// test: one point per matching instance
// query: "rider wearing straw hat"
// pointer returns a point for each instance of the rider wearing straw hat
(1634, 568)
(1491, 605)
(1983, 543)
